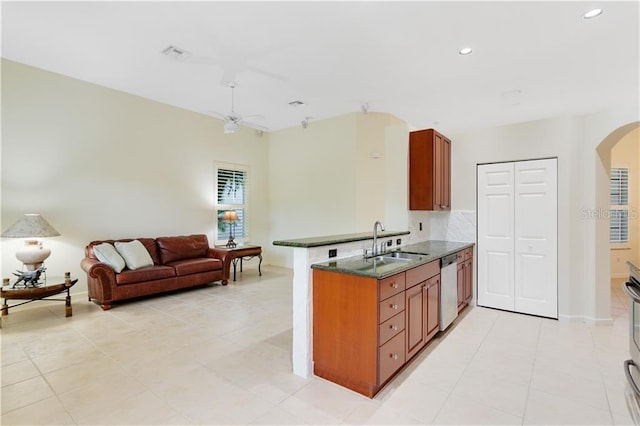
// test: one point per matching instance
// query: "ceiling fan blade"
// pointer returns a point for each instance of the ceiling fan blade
(254, 126)
(224, 117)
(254, 117)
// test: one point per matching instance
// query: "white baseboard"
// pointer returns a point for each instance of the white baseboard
(585, 319)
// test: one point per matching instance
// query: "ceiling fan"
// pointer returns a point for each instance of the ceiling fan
(233, 120)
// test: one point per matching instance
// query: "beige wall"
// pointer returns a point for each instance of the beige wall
(330, 178)
(98, 164)
(626, 153)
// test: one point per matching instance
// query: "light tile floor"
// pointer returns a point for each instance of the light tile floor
(221, 355)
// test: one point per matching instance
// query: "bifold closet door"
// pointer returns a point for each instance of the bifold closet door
(496, 236)
(536, 238)
(517, 236)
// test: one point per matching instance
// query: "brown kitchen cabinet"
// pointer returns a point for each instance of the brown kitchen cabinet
(429, 170)
(360, 324)
(422, 307)
(465, 277)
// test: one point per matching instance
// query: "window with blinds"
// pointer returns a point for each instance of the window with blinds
(619, 226)
(232, 183)
(619, 215)
(619, 186)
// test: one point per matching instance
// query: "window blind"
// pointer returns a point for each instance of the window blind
(232, 194)
(619, 226)
(619, 186)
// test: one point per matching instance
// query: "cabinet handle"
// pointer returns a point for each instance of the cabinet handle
(394, 285)
(394, 356)
(393, 306)
(393, 327)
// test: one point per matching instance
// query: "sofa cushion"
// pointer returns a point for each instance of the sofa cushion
(184, 247)
(134, 254)
(150, 273)
(194, 266)
(107, 253)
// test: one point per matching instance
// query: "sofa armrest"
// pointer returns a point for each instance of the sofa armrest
(96, 269)
(225, 257)
(101, 279)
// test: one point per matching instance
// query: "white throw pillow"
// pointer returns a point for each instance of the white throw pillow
(106, 253)
(134, 254)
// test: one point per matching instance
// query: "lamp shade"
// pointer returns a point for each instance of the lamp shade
(30, 226)
(230, 216)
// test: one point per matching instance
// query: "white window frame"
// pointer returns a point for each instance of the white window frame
(241, 235)
(619, 210)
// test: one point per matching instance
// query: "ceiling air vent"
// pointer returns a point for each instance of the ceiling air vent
(296, 104)
(175, 52)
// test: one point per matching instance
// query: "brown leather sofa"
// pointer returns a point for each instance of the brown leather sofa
(179, 262)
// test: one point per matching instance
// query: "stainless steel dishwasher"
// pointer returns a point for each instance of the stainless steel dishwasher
(448, 290)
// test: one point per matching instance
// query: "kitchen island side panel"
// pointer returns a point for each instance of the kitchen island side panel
(345, 329)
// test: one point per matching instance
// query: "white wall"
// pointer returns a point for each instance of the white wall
(539, 139)
(583, 258)
(99, 164)
(626, 154)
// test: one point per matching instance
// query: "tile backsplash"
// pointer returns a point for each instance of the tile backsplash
(455, 225)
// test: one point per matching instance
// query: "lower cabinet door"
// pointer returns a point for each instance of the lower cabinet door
(461, 286)
(391, 357)
(433, 306)
(468, 279)
(416, 321)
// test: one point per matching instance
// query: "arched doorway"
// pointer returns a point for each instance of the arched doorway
(627, 134)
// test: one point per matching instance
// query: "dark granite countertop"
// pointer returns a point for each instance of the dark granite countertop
(335, 239)
(358, 265)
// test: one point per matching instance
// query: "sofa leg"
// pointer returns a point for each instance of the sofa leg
(105, 306)
(225, 282)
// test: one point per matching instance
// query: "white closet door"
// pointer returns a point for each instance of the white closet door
(495, 236)
(536, 234)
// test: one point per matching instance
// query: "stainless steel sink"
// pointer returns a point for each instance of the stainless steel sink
(404, 255)
(394, 257)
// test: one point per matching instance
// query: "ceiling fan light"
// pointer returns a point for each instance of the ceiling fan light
(593, 13)
(231, 127)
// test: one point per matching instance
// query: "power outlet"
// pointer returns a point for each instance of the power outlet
(420, 226)
(399, 241)
(333, 252)
(389, 243)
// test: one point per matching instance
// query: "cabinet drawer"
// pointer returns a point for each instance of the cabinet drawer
(391, 285)
(422, 273)
(468, 253)
(460, 256)
(390, 357)
(392, 306)
(390, 328)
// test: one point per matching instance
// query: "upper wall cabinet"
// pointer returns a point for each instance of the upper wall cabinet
(429, 171)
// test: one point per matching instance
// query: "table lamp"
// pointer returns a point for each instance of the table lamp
(231, 217)
(31, 227)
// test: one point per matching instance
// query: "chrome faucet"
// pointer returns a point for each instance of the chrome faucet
(374, 251)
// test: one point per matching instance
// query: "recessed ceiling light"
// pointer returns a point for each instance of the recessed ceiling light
(592, 14)
(297, 104)
(465, 51)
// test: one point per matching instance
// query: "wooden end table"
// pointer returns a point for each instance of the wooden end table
(52, 287)
(240, 253)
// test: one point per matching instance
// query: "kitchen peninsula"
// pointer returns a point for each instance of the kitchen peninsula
(312, 250)
(372, 315)
(312, 254)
